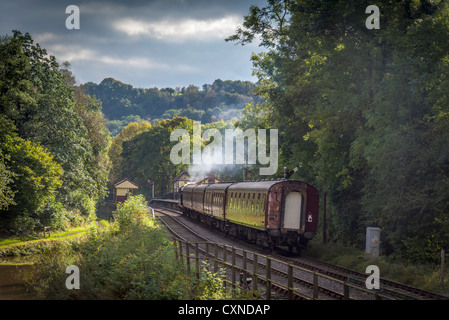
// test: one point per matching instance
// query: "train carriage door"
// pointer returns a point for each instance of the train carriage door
(292, 210)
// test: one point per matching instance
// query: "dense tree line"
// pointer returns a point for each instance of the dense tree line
(141, 152)
(362, 113)
(53, 142)
(122, 103)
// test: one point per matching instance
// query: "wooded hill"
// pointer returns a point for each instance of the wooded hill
(122, 103)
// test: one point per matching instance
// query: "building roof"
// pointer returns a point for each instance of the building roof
(180, 175)
(206, 179)
(126, 183)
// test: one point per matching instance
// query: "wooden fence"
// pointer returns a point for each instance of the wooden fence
(191, 254)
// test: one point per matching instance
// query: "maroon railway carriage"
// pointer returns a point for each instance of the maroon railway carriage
(270, 213)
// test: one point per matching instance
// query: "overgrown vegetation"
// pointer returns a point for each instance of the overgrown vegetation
(362, 113)
(424, 276)
(53, 142)
(132, 258)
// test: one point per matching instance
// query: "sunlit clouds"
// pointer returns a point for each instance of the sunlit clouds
(146, 43)
(178, 31)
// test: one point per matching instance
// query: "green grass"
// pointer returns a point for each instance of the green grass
(25, 246)
(426, 277)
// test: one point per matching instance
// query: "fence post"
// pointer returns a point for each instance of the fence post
(188, 257)
(225, 255)
(268, 297)
(255, 270)
(197, 259)
(233, 268)
(315, 286)
(176, 249)
(180, 252)
(216, 258)
(290, 282)
(244, 280)
(346, 291)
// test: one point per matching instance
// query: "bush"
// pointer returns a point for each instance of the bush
(133, 211)
(131, 258)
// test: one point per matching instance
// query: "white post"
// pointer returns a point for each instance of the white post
(152, 210)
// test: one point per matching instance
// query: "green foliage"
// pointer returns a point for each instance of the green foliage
(424, 276)
(133, 210)
(142, 152)
(146, 156)
(49, 129)
(6, 178)
(364, 112)
(132, 258)
(122, 103)
(37, 178)
(115, 152)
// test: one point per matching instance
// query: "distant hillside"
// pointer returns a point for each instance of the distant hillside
(122, 103)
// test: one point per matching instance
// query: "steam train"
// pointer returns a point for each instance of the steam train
(269, 213)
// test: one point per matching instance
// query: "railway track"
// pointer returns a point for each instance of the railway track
(330, 286)
(243, 260)
(387, 287)
(302, 280)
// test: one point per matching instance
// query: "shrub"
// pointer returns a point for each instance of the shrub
(131, 258)
(133, 211)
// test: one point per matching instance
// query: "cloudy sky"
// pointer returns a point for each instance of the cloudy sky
(152, 43)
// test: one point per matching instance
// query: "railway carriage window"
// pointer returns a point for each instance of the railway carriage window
(250, 203)
(231, 201)
(234, 200)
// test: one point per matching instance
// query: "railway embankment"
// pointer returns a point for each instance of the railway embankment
(425, 277)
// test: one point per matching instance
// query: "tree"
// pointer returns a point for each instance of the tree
(359, 108)
(6, 178)
(37, 178)
(147, 156)
(115, 152)
(44, 108)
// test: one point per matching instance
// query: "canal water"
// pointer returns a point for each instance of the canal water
(12, 283)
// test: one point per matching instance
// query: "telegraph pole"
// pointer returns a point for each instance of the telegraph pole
(152, 188)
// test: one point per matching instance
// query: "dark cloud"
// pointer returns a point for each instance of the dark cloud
(145, 43)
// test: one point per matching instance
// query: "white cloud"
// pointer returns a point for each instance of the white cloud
(182, 30)
(44, 37)
(76, 53)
